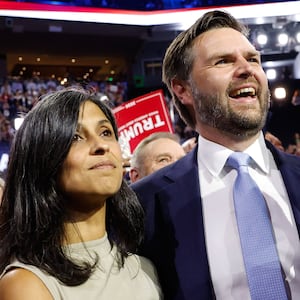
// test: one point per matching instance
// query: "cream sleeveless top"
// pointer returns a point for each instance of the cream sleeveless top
(137, 280)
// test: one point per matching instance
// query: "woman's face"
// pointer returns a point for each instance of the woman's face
(93, 168)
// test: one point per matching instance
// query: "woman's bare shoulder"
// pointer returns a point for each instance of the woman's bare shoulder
(21, 284)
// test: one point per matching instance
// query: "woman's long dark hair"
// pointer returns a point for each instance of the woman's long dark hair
(32, 211)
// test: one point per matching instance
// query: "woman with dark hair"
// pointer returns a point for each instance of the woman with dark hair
(69, 224)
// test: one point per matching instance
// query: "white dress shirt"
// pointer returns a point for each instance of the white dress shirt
(222, 239)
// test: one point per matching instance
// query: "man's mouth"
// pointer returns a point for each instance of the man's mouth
(244, 92)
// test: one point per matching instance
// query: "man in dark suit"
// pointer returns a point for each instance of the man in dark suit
(220, 90)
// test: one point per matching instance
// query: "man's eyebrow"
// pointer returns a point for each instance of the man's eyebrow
(229, 54)
(163, 155)
(253, 53)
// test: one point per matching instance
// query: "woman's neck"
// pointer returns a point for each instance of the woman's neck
(84, 227)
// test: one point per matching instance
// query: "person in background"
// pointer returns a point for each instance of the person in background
(193, 235)
(189, 144)
(70, 223)
(295, 147)
(283, 122)
(154, 152)
(274, 140)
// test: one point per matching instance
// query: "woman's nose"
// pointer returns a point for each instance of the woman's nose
(99, 147)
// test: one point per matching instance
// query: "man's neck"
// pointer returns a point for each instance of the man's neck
(228, 140)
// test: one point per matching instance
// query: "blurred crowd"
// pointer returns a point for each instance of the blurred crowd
(18, 96)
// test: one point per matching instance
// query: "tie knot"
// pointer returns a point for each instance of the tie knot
(238, 159)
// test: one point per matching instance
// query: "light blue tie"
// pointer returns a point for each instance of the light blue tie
(256, 234)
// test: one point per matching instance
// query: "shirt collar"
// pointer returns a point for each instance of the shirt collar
(214, 156)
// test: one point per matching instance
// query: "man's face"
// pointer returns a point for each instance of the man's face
(228, 88)
(156, 155)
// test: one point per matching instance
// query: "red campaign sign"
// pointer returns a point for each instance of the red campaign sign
(140, 117)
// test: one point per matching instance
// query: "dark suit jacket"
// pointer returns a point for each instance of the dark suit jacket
(175, 239)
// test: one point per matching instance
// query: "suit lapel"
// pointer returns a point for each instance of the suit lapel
(181, 201)
(289, 166)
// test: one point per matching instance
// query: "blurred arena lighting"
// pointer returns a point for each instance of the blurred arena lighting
(271, 74)
(283, 38)
(298, 37)
(280, 93)
(18, 122)
(262, 38)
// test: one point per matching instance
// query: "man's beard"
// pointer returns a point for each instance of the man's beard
(212, 111)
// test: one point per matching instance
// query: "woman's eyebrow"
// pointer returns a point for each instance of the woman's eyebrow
(101, 122)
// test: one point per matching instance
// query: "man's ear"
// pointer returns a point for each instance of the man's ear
(133, 175)
(182, 91)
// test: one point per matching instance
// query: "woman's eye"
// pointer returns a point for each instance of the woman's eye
(107, 132)
(77, 138)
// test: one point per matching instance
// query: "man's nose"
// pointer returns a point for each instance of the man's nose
(244, 68)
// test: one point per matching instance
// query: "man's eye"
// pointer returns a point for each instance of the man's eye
(221, 61)
(254, 59)
(164, 160)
